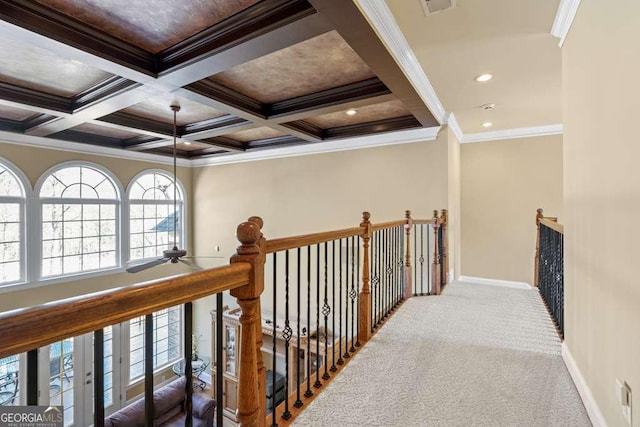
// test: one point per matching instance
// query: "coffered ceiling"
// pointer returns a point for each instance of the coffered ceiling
(248, 74)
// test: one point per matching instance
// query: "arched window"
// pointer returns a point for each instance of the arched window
(152, 216)
(12, 224)
(80, 212)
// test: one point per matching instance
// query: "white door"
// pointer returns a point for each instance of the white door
(70, 376)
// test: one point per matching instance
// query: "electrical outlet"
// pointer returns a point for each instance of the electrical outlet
(623, 393)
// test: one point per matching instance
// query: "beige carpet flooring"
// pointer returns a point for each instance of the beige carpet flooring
(475, 356)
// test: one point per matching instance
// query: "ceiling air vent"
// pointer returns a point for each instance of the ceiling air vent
(432, 7)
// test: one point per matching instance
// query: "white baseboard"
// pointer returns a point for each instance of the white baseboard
(583, 389)
(495, 282)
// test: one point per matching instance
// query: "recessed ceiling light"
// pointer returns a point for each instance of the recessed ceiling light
(186, 143)
(488, 106)
(487, 124)
(351, 112)
(484, 77)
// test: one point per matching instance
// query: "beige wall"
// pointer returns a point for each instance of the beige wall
(321, 192)
(454, 206)
(503, 183)
(34, 162)
(602, 199)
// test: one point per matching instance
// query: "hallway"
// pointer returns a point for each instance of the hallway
(476, 356)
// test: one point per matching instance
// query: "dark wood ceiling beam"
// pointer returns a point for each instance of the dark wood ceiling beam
(362, 129)
(146, 145)
(105, 89)
(215, 127)
(333, 99)
(282, 34)
(306, 128)
(227, 144)
(227, 96)
(119, 101)
(258, 19)
(11, 125)
(356, 31)
(56, 26)
(279, 141)
(89, 138)
(33, 98)
(135, 123)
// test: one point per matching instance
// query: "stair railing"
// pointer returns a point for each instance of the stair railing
(549, 266)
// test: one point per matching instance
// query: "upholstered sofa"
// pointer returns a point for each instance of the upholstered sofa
(168, 403)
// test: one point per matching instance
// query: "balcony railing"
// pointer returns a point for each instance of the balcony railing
(328, 294)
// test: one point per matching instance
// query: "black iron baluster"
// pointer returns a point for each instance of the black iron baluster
(188, 341)
(32, 377)
(298, 403)
(346, 354)
(387, 271)
(98, 378)
(394, 266)
(325, 312)
(307, 359)
(353, 294)
(148, 370)
(340, 312)
(358, 266)
(401, 264)
(317, 384)
(287, 333)
(219, 368)
(372, 274)
(333, 304)
(274, 347)
(379, 278)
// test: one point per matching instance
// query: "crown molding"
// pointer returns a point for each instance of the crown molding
(75, 147)
(513, 133)
(381, 19)
(370, 141)
(451, 121)
(564, 18)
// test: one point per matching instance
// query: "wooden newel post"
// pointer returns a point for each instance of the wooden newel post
(435, 266)
(251, 384)
(444, 223)
(365, 293)
(408, 277)
(536, 257)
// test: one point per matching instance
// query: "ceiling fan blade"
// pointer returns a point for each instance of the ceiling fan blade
(141, 267)
(190, 264)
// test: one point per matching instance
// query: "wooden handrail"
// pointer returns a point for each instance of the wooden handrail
(27, 329)
(388, 224)
(424, 221)
(277, 245)
(552, 224)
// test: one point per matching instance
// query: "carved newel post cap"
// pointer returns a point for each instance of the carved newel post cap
(366, 216)
(407, 213)
(248, 233)
(539, 210)
(257, 220)
(435, 213)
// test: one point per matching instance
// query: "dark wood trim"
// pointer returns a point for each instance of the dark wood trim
(213, 127)
(361, 129)
(227, 144)
(54, 25)
(306, 128)
(11, 125)
(38, 120)
(35, 98)
(221, 93)
(279, 141)
(88, 138)
(144, 143)
(259, 19)
(135, 122)
(102, 90)
(335, 96)
(363, 39)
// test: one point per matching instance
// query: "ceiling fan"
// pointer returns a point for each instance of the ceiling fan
(173, 255)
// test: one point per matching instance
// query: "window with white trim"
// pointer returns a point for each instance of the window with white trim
(153, 217)
(80, 207)
(167, 339)
(12, 211)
